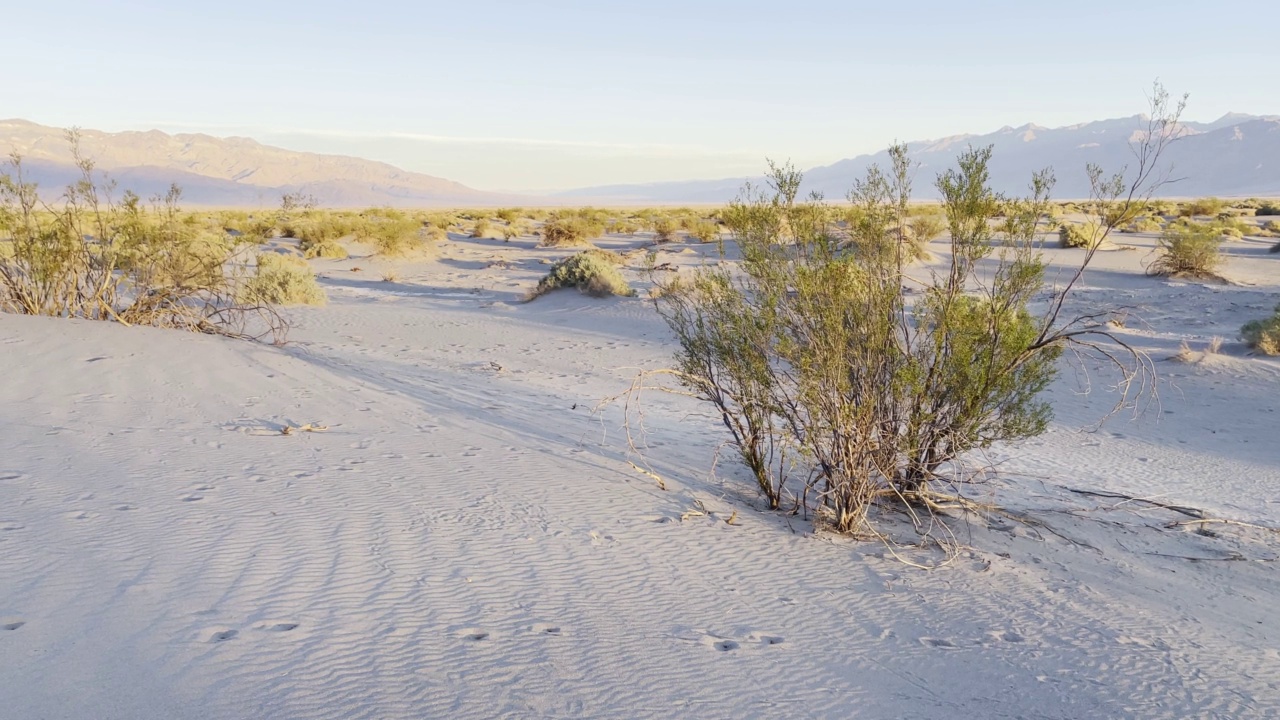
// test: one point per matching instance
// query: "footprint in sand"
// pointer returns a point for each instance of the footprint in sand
(277, 627)
(725, 645)
(223, 635)
(942, 643)
(1008, 636)
(12, 625)
(474, 635)
(546, 629)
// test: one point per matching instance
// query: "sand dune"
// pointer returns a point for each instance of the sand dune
(468, 540)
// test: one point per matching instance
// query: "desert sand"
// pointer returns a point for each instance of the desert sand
(468, 539)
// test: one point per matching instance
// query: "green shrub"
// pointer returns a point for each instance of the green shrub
(513, 229)
(569, 231)
(705, 231)
(1188, 250)
(1075, 235)
(1209, 206)
(89, 257)
(927, 227)
(828, 376)
(1264, 335)
(821, 366)
(594, 272)
(481, 228)
(318, 239)
(664, 229)
(394, 234)
(283, 280)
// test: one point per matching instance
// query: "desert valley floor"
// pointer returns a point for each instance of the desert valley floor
(470, 539)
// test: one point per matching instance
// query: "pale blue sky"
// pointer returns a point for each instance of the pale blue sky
(556, 94)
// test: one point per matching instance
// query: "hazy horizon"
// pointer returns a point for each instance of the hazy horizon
(501, 96)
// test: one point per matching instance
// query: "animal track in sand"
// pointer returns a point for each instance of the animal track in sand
(13, 625)
(474, 635)
(1007, 636)
(223, 635)
(725, 645)
(6, 476)
(942, 643)
(278, 627)
(546, 629)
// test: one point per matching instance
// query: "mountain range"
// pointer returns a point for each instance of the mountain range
(232, 171)
(1236, 155)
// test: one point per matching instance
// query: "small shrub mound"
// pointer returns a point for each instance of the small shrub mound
(395, 234)
(569, 231)
(1188, 250)
(705, 231)
(1264, 335)
(1209, 206)
(318, 240)
(283, 280)
(1143, 225)
(1072, 235)
(1267, 209)
(927, 227)
(664, 229)
(482, 228)
(594, 272)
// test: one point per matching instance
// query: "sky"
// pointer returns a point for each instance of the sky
(538, 96)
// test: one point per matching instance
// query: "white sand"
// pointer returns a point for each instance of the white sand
(468, 541)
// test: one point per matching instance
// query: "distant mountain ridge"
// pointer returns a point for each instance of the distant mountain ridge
(230, 171)
(1236, 155)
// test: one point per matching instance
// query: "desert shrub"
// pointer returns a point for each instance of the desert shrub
(664, 229)
(1264, 335)
(318, 238)
(394, 234)
(821, 367)
(925, 228)
(1209, 206)
(507, 215)
(705, 231)
(593, 271)
(514, 229)
(1188, 249)
(1076, 235)
(324, 248)
(1142, 225)
(1267, 209)
(481, 228)
(89, 257)
(625, 227)
(567, 232)
(1271, 227)
(283, 280)
(828, 375)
